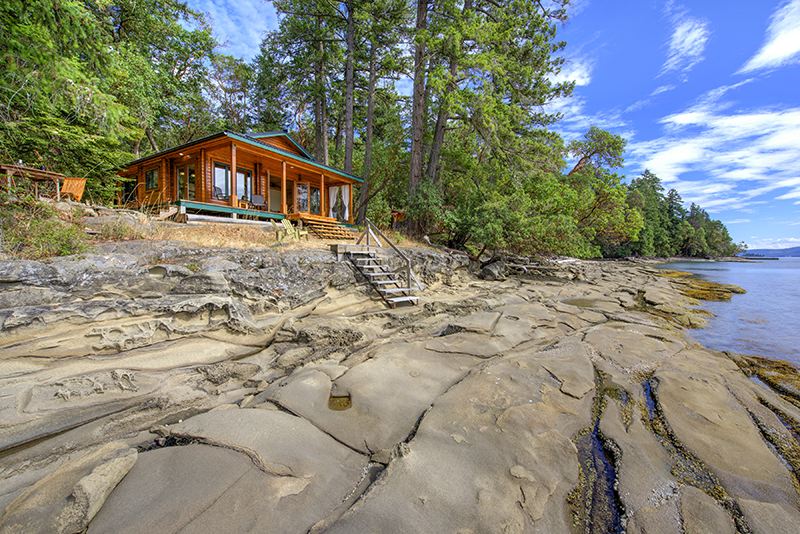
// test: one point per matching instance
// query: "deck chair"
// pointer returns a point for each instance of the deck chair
(257, 201)
(73, 187)
(286, 230)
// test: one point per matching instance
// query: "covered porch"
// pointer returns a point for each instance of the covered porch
(266, 176)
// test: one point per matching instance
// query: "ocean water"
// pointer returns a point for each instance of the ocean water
(765, 321)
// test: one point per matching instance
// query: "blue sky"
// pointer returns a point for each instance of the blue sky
(707, 93)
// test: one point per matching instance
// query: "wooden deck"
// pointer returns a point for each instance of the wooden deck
(200, 207)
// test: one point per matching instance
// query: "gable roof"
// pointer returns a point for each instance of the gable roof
(267, 135)
(254, 141)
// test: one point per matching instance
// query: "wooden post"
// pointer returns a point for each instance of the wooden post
(201, 195)
(267, 193)
(232, 199)
(322, 211)
(350, 211)
(284, 207)
(164, 180)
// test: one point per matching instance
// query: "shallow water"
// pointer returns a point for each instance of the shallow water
(765, 321)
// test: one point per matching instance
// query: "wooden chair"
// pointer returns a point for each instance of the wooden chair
(257, 201)
(73, 187)
(286, 230)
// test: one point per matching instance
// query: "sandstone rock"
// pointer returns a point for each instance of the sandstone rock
(387, 393)
(303, 475)
(66, 500)
(495, 271)
(219, 373)
(701, 514)
(770, 518)
(493, 454)
(709, 422)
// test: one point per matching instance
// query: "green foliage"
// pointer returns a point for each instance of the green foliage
(668, 228)
(32, 230)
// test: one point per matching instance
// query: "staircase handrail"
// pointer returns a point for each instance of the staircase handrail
(409, 273)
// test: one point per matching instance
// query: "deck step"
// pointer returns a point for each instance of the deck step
(381, 282)
(357, 252)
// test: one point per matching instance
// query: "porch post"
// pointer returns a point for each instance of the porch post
(267, 193)
(232, 199)
(200, 193)
(284, 208)
(350, 211)
(163, 184)
(322, 211)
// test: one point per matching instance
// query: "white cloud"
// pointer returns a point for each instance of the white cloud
(239, 24)
(782, 44)
(724, 160)
(785, 242)
(649, 100)
(578, 70)
(738, 221)
(688, 42)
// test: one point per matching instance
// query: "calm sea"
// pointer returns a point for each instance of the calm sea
(765, 321)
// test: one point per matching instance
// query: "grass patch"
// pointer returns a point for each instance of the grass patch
(30, 229)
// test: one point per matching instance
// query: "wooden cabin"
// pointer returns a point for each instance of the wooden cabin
(274, 178)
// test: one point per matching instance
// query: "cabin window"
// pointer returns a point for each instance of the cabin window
(191, 181)
(244, 184)
(314, 201)
(302, 197)
(181, 182)
(151, 179)
(222, 181)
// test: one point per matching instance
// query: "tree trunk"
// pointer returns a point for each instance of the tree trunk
(362, 199)
(349, 82)
(319, 78)
(418, 103)
(441, 123)
(149, 135)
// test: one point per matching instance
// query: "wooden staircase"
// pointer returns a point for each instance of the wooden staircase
(327, 228)
(393, 286)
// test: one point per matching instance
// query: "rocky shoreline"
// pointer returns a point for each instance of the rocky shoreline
(175, 389)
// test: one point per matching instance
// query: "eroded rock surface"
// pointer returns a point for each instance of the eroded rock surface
(181, 390)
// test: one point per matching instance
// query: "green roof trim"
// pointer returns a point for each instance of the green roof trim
(254, 142)
(244, 138)
(262, 135)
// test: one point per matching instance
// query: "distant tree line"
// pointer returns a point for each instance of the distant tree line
(470, 157)
(669, 229)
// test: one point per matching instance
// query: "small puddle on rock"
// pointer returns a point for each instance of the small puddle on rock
(339, 403)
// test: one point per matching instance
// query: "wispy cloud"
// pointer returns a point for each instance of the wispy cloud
(641, 104)
(782, 43)
(239, 24)
(788, 242)
(577, 69)
(724, 160)
(688, 41)
(737, 221)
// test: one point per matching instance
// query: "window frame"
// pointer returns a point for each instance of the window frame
(148, 179)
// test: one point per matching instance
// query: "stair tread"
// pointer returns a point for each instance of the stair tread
(396, 289)
(380, 282)
(402, 299)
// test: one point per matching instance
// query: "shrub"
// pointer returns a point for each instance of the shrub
(31, 229)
